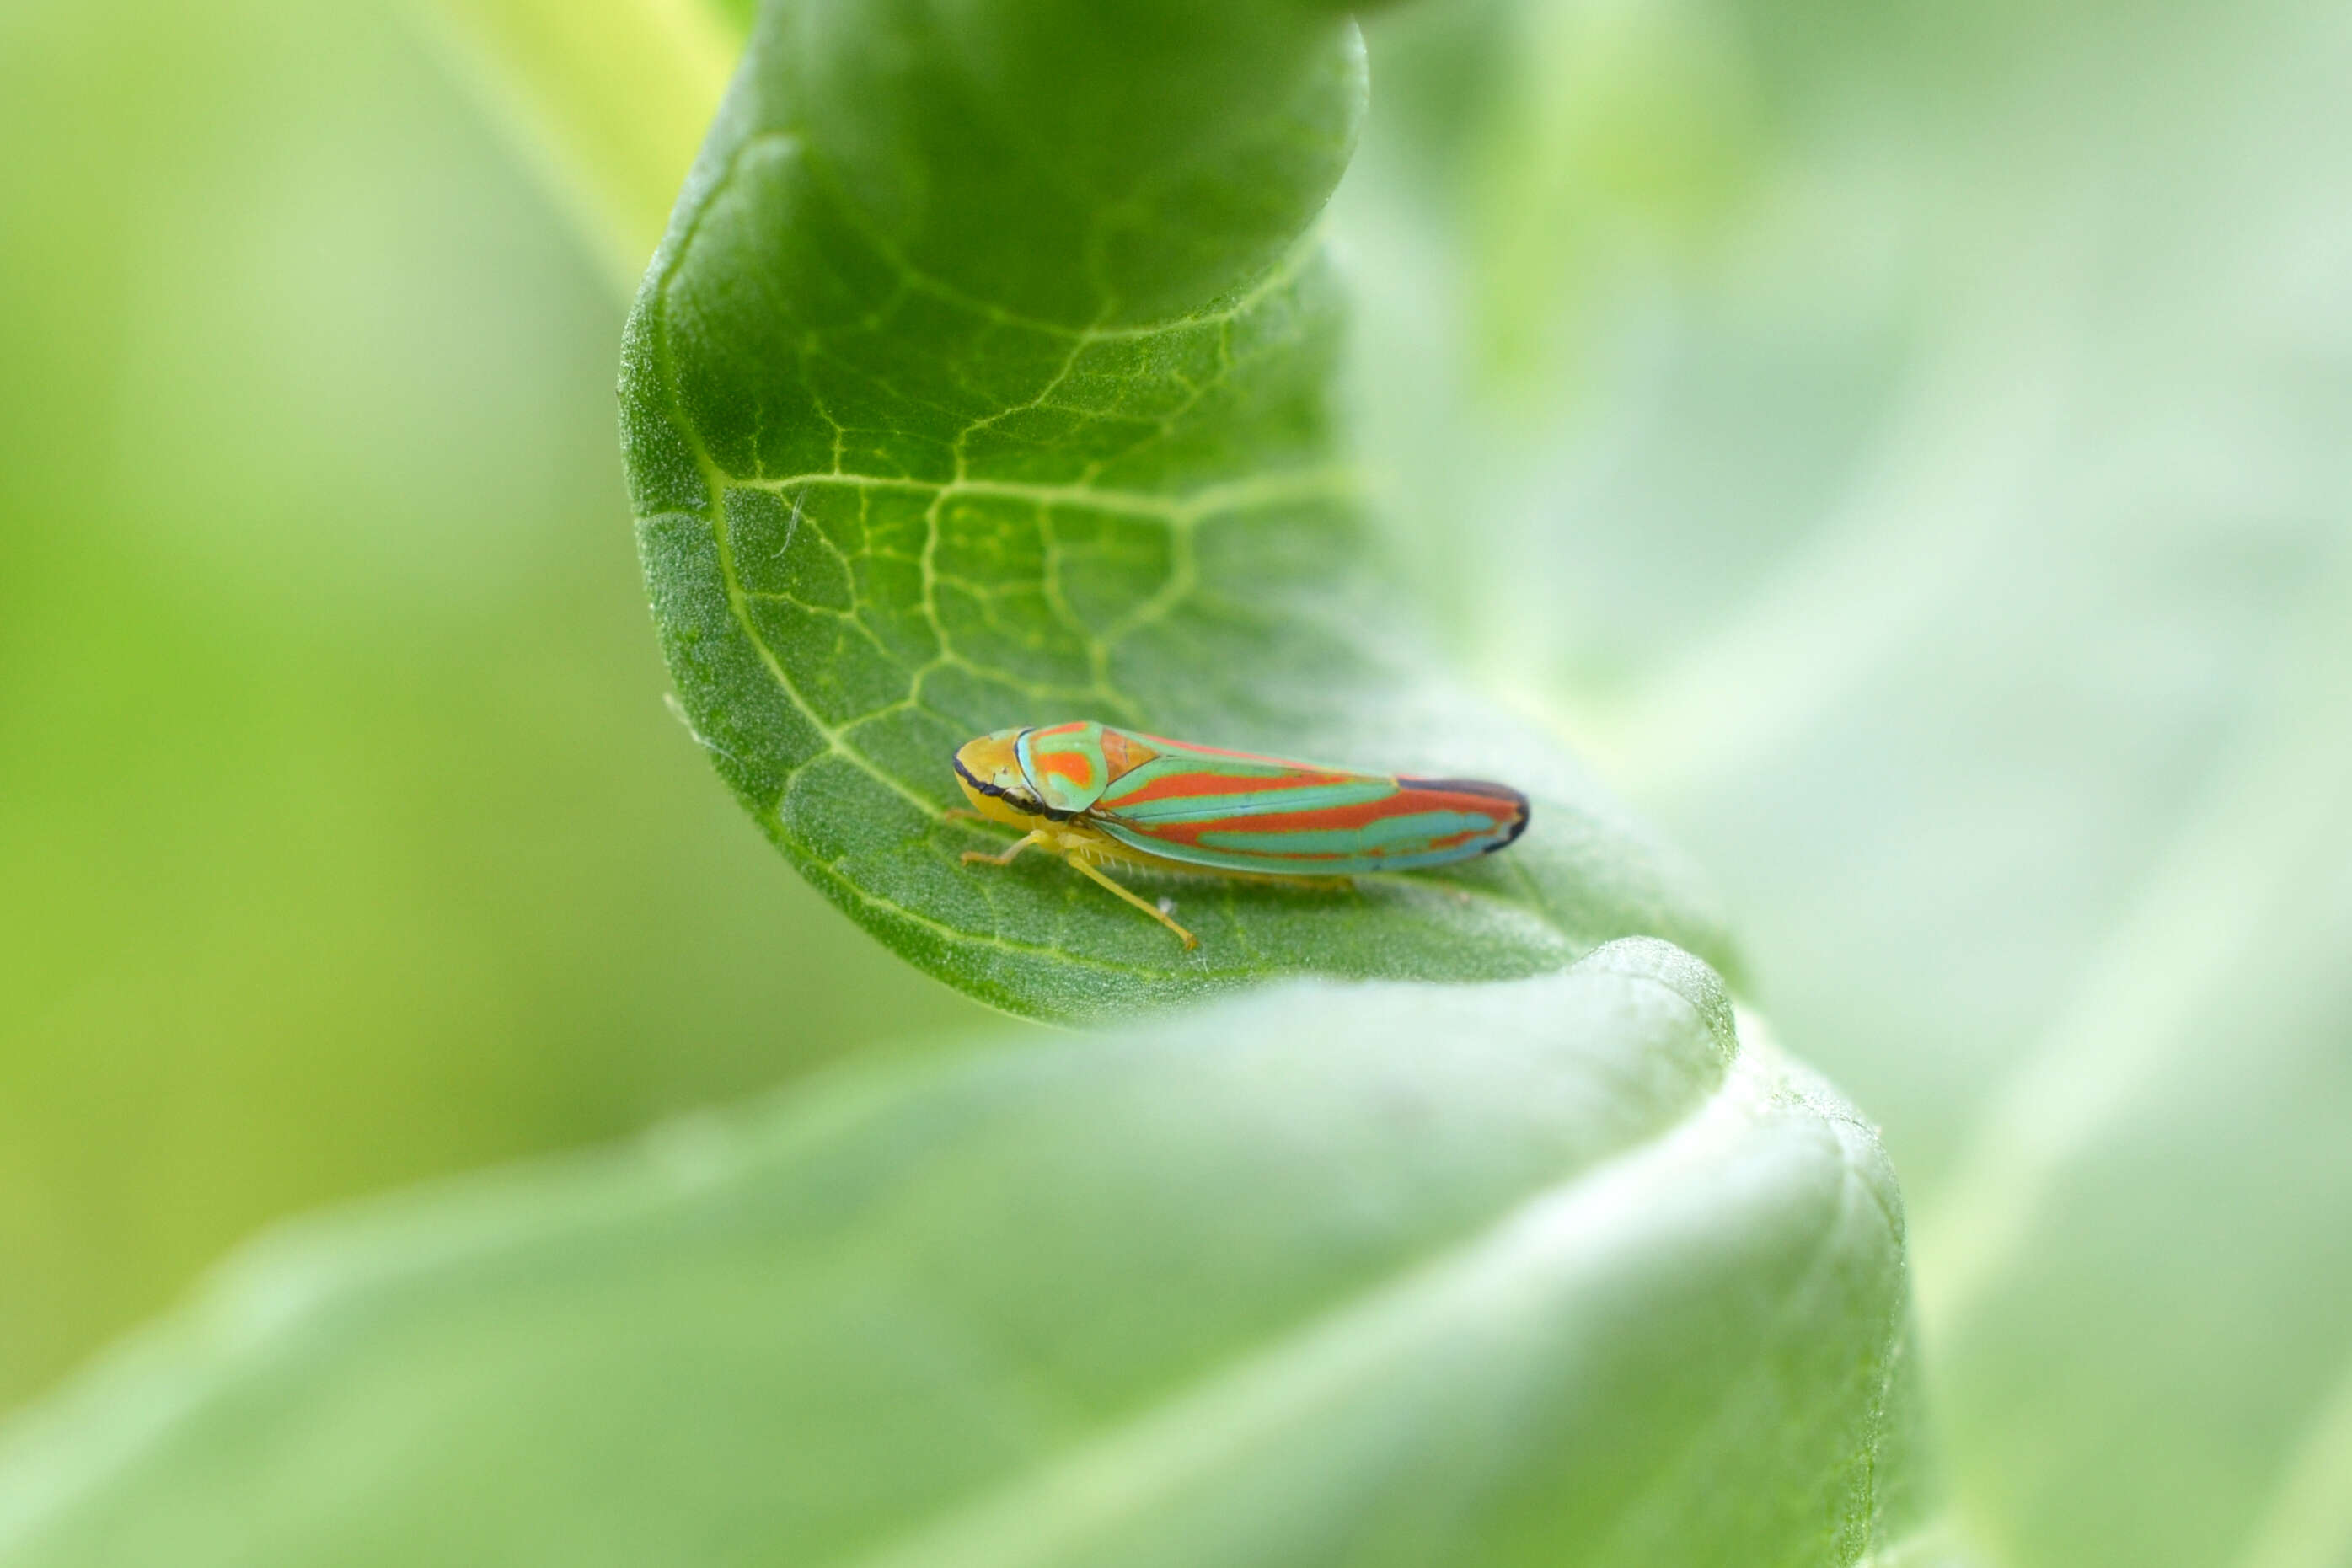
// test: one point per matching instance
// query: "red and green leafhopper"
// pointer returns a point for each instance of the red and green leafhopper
(1095, 795)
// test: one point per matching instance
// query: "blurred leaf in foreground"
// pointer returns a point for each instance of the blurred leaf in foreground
(982, 381)
(1552, 1270)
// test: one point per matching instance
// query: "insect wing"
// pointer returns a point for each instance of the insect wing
(1233, 811)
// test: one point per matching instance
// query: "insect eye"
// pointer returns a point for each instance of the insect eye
(1008, 783)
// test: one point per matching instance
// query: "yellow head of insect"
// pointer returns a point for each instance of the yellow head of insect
(990, 771)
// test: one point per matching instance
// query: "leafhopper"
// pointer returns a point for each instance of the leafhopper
(1097, 796)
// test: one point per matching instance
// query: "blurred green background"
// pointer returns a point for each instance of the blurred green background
(1907, 450)
(346, 838)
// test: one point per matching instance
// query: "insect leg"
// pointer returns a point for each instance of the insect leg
(972, 856)
(961, 814)
(1152, 910)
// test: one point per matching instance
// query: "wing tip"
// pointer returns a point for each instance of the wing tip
(1492, 792)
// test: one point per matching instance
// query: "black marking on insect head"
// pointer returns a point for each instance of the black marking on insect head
(1026, 807)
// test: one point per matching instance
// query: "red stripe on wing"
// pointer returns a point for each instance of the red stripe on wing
(1189, 786)
(1181, 746)
(1501, 806)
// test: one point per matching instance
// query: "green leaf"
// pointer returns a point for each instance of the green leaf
(1955, 557)
(984, 379)
(1552, 1270)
